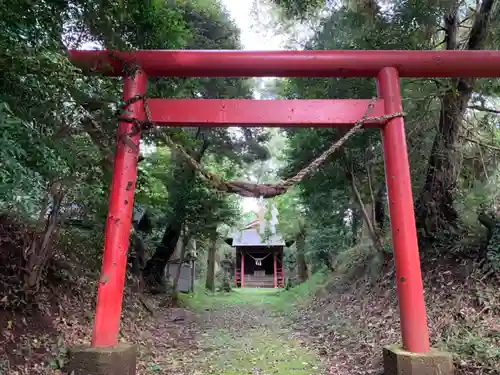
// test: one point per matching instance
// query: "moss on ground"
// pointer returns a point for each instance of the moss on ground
(259, 351)
(203, 301)
(244, 335)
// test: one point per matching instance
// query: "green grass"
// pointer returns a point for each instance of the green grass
(202, 301)
(258, 352)
(250, 348)
(290, 300)
(280, 300)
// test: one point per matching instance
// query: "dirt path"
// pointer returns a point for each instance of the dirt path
(240, 333)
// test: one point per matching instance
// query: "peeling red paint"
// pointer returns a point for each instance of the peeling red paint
(116, 239)
(387, 66)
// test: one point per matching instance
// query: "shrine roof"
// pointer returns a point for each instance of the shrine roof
(251, 237)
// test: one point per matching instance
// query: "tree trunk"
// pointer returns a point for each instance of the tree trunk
(488, 222)
(155, 266)
(302, 269)
(380, 208)
(212, 250)
(370, 226)
(436, 214)
(138, 259)
(39, 251)
(367, 8)
(183, 245)
(368, 221)
(356, 223)
(100, 140)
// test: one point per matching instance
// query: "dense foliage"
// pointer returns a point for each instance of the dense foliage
(58, 127)
(451, 126)
(58, 132)
(57, 139)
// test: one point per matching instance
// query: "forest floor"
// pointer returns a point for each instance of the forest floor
(334, 326)
(331, 325)
(338, 324)
(247, 332)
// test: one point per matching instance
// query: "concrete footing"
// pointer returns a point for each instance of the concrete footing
(102, 361)
(400, 362)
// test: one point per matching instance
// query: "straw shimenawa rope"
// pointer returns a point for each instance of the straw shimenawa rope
(246, 189)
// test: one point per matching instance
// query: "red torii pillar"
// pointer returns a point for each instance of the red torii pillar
(106, 356)
(119, 220)
(414, 357)
(404, 235)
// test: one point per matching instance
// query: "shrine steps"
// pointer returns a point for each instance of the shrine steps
(259, 281)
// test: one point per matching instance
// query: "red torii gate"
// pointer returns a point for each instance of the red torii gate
(386, 66)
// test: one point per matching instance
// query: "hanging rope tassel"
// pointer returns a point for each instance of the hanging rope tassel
(258, 261)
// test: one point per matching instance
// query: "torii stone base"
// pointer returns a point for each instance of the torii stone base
(120, 360)
(400, 362)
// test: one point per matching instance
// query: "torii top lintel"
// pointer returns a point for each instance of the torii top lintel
(340, 63)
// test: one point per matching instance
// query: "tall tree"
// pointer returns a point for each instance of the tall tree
(58, 126)
(217, 31)
(436, 213)
(438, 111)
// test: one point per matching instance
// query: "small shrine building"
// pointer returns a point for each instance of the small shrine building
(259, 254)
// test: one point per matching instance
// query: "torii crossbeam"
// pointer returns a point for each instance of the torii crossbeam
(386, 66)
